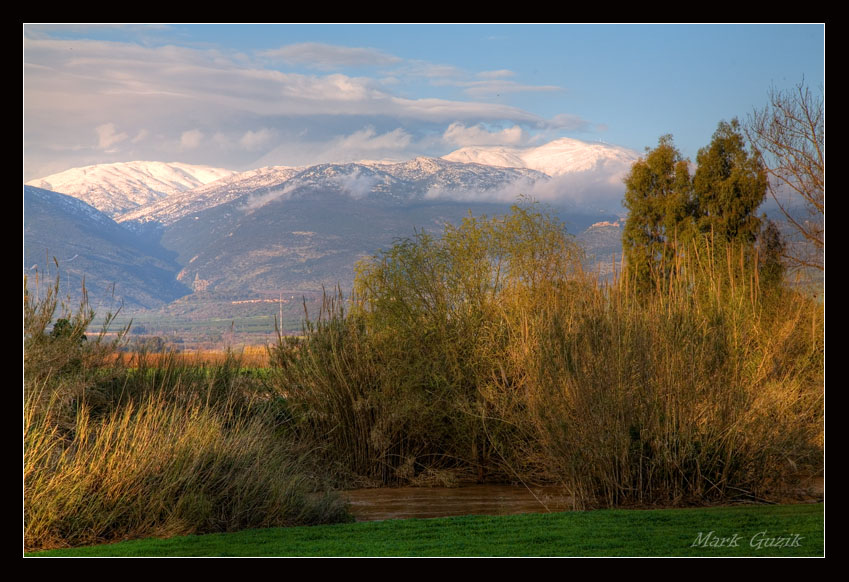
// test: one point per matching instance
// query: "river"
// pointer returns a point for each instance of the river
(422, 502)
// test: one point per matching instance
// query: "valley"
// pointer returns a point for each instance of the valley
(203, 257)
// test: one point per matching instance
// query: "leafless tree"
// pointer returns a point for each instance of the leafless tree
(789, 136)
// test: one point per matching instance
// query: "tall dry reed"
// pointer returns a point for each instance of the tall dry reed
(118, 449)
(490, 353)
(711, 388)
(155, 468)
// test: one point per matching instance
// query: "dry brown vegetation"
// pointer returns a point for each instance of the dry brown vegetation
(487, 354)
(153, 445)
(490, 353)
(249, 357)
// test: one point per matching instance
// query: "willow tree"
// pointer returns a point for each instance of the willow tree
(658, 195)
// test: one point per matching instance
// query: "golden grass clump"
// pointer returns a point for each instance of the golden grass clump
(157, 469)
(118, 449)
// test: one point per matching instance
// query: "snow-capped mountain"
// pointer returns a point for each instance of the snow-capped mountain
(389, 182)
(117, 188)
(162, 193)
(169, 210)
(235, 235)
(308, 231)
(443, 174)
(556, 158)
(413, 180)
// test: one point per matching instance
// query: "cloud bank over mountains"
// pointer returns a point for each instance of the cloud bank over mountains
(97, 101)
(581, 174)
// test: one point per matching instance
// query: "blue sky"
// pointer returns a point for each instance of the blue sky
(244, 96)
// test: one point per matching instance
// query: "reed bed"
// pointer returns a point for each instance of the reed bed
(153, 446)
(490, 354)
(707, 392)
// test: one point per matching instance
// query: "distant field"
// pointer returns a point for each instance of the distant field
(772, 530)
(247, 357)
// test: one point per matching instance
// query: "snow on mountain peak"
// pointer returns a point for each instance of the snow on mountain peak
(119, 187)
(211, 194)
(564, 170)
(561, 156)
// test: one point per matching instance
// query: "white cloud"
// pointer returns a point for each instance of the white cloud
(487, 83)
(107, 136)
(140, 136)
(363, 144)
(367, 143)
(138, 82)
(256, 201)
(328, 57)
(43, 29)
(589, 190)
(356, 185)
(416, 68)
(191, 139)
(458, 134)
(568, 122)
(226, 109)
(368, 139)
(255, 140)
(502, 87)
(499, 74)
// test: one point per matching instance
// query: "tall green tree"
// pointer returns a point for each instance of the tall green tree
(729, 185)
(658, 196)
(668, 206)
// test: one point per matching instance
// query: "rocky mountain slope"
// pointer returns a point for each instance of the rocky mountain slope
(116, 265)
(418, 180)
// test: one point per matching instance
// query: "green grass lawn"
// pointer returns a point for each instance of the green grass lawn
(769, 530)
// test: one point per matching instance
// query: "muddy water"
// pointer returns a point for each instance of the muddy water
(410, 502)
(421, 502)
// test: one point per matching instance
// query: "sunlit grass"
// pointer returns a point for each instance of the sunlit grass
(748, 531)
(153, 446)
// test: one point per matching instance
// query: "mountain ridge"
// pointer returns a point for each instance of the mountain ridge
(251, 234)
(92, 249)
(141, 192)
(118, 187)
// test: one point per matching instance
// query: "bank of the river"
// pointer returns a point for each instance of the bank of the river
(383, 503)
(749, 530)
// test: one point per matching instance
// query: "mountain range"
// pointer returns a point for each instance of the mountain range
(160, 231)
